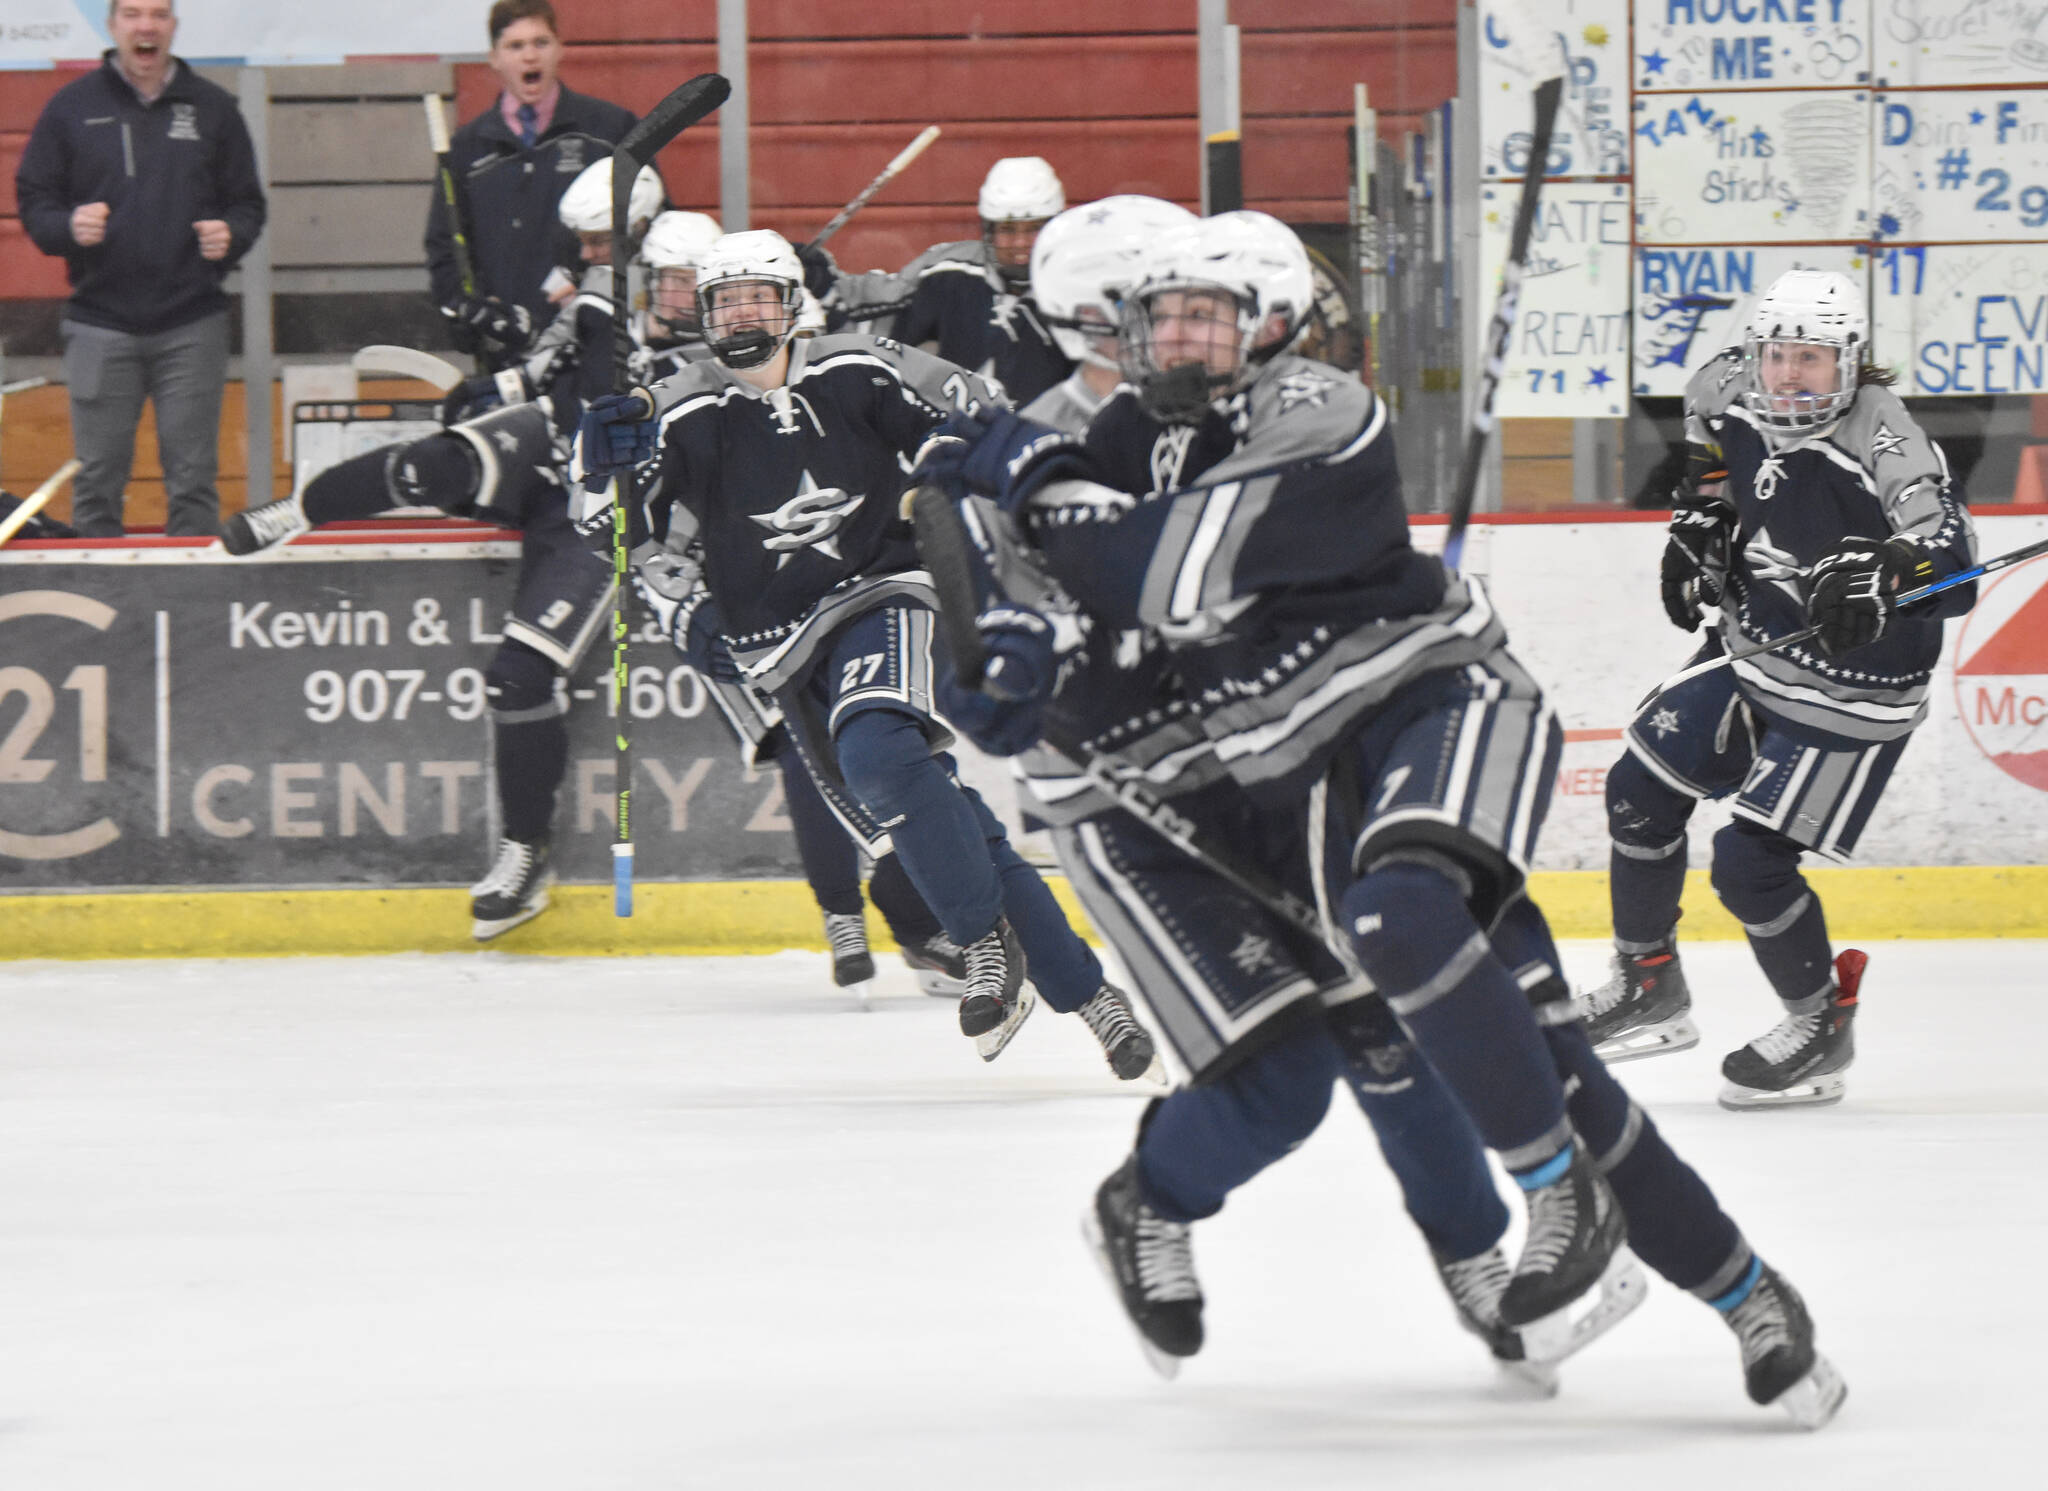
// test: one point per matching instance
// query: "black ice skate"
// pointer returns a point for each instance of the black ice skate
(1150, 1263)
(1799, 1064)
(997, 998)
(515, 891)
(1475, 1286)
(1125, 1043)
(1644, 1008)
(853, 966)
(939, 966)
(264, 527)
(1574, 1281)
(1779, 1364)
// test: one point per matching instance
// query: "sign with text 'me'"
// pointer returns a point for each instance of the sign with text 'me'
(320, 719)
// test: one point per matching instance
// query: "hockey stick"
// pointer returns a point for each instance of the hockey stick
(34, 503)
(437, 141)
(22, 385)
(1548, 95)
(947, 551)
(1909, 598)
(407, 362)
(903, 158)
(682, 108)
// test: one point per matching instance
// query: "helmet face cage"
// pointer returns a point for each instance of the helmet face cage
(745, 338)
(1796, 410)
(1803, 308)
(1207, 353)
(672, 299)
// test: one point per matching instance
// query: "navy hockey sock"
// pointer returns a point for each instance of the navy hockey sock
(910, 921)
(1674, 1223)
(830, 860)
(1646, 864)
(889, 767)
(1200, 1144)
(530, 739)
(1063, 968)
(1426, 1138)
(1756, 874)
(1417, 941)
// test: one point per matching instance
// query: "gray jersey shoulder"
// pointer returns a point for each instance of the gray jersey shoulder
(1300, 409)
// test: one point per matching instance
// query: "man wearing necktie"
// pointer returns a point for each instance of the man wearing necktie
(511, 165)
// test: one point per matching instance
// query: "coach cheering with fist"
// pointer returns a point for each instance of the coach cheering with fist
(141, 176)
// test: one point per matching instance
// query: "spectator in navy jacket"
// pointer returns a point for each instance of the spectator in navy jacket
(511, 165)
(141, 176)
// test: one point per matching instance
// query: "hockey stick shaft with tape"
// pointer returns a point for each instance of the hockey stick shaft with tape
(683, 107)
(1907, 598)
(1548, 95)
(889, 173)
(947, 551)
(35, 502)
(451, 199)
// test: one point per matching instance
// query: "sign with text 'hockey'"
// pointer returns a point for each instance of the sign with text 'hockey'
(319, 717)
(2002, 675)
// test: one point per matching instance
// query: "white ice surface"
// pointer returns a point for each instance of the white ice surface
(452, 1223)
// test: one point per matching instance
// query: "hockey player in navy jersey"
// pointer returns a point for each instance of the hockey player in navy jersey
(1242, 507)
(786, 456)
(969, 301)
(506, 466)
(1812, 498)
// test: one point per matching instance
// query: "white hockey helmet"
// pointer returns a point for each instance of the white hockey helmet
(1816, 308)
(586, 207)
(1022, 191)
(747, 336)
(673, 248)
(1252, 258)
(1084, 261)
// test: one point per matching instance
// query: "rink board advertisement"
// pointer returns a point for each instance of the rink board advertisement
(321, 720)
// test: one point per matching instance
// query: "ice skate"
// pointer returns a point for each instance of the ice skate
(1574, 1281)
(264, 527)
(1779, 1364)
(515, 890)
(938, 965)
(853, 966)
(1126, 1044)
(997, 999)
(1644, 1008)
(1150, 1262)
(1475, 1286)
(1799, 1063)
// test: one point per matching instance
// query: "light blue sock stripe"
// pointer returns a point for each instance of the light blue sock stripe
(1547, 1172)
(1740, 1292)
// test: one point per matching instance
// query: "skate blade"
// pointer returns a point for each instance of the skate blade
(939, 985)
(1815, 1398)
(989, 1044)
(1525, 1380)
(1154, 1079)
(863, 994)
(1820, 1092)
(484, 931)
(1166, 1366)
(1589, 1317)
(1652, 1040)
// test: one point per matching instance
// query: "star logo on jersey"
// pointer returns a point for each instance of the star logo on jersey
(1773, 565)
(507, 442)
(1304, 387)
(809, 520)
(1664, 722)
(1253, 953)
(1885, 443)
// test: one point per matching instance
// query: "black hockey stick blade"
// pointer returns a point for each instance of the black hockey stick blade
(1549, 94)
(947, 551)
(685, 105)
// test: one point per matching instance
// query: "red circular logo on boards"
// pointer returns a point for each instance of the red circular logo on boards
(2002, 674)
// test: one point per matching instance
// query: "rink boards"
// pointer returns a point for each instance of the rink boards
(291, 753)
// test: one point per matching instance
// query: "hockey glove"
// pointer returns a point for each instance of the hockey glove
(1853, 592)
(490, 326)
(1695, 567)
(616, 434)
(821, 270)
(1006, 714)
(472, 396)
(999, 454)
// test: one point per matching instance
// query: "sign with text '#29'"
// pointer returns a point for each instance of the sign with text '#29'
(318, 717)
(39, 33)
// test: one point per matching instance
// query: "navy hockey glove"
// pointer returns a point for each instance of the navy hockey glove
(998, 454)
(616, 434)
(490, 326)
(1006, 714)
(1695, 568)
(1853, 592)
(821, 270)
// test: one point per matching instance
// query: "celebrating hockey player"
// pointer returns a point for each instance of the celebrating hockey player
(786, 457)
(970, 301)
(1241, 506)
(1812, 498)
